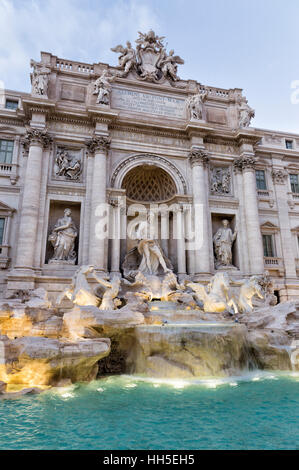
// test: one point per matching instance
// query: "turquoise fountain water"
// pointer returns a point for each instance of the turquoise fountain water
(253, 411)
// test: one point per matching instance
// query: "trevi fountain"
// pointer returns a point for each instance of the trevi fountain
(143, 341)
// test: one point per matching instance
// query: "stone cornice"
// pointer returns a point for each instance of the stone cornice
(37, 105)
(101, 143)
(198, 156)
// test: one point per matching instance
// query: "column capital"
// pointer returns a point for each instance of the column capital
(246, 162)
(279, 176)
(198, 156)
(101, 143)
(37, 136)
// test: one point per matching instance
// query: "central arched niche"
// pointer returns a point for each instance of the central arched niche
(148, 183)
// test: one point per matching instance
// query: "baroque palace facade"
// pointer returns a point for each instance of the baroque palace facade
(90, 134)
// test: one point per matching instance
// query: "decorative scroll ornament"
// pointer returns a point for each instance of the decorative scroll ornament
(98, 143)
(279, 176)
(198, 156)
(67, 166)
(220, 180)
(149, 61)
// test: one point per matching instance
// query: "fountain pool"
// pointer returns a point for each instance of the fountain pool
(258, 410)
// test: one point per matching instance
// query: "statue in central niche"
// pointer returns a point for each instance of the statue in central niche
(223, 242)
(152, 255)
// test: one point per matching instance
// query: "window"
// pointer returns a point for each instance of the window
(289, 144)
(268, 246)
(260, 179)
(294, 183)
(11, 104)
(6, 150)
(2, 222)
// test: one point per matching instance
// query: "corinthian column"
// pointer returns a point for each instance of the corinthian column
(254, 237)
(35, 140)
(199, 158)
(98, 147)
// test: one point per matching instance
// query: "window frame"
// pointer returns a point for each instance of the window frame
(271, 237)
(11, 100)
(264, 180)
(294, 185)
(6, 150)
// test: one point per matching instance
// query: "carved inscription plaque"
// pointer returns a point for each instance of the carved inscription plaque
(148, 103)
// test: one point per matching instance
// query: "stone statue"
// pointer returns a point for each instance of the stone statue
(109, 300)
(39, 78)
(220, 180)
(246, 113)
(168, 65)
(150, 61)
(152, 255)
(215, 298)
(195, 105)
(126, 60)
(249, 288)
(102, 88)
(223, 241)
(79, 291)
(67, 166)
(63, 239)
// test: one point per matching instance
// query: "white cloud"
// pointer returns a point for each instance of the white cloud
(70, 29)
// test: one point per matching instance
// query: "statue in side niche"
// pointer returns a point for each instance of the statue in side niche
(63, 238)
(102, 88)
(223, 242)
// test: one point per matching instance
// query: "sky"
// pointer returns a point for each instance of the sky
(249, 44)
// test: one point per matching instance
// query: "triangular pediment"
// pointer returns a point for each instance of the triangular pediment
(5, 208)
(269, 226)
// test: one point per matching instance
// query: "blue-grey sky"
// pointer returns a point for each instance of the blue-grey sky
(249, 44)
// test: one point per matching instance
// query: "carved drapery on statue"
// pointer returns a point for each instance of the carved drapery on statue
(223, 242)
(102, 88)
(149, 61)
(39, 79)
(195, 105)
(147, 257)
(63, 238)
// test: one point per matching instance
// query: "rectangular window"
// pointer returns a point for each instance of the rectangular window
(289, 144)
(294, 183)
(260, 179)
(2, 222)
(6, 151)
(11, 104)
(268, 246)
